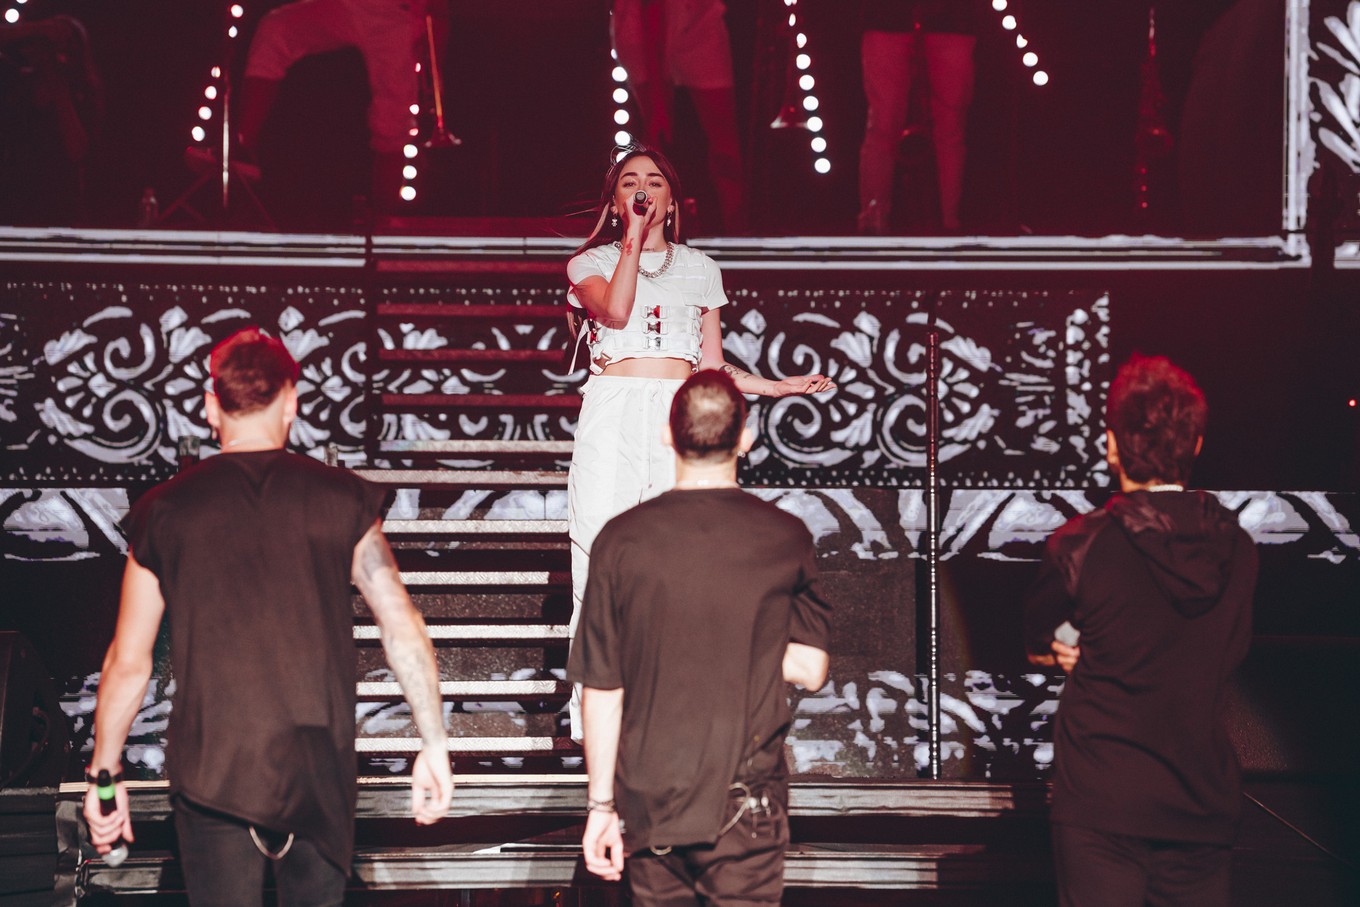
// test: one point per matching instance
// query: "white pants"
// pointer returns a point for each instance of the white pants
(889, 60)
(618, 461)
(386, 32)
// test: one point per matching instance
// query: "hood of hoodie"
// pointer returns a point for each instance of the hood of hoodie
(1187, 540)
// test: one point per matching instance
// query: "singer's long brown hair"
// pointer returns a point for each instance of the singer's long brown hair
(604, 232)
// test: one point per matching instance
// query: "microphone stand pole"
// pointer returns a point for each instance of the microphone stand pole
(932, 541)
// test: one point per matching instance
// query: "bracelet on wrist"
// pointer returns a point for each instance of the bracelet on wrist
(600, 806)
(93, 777)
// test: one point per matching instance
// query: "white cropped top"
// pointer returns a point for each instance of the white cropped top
(667, 309)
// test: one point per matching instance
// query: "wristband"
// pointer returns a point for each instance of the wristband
(600, 806)
(115, 777)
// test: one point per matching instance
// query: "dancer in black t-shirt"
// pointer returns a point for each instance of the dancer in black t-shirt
(252, 553)
(1146, 788)
(700, 604)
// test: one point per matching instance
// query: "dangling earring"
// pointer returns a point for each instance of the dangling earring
(613, 220)
(668, 218)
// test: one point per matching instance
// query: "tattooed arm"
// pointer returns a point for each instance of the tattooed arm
(747, 383)
(411, 655)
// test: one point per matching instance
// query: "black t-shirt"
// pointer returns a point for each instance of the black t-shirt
(692, 599)
(253, 552)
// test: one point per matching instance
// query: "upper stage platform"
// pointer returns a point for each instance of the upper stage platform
(532, 253)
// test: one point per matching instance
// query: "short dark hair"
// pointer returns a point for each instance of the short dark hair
(707, 416)
(249, 369)
(1157, 414)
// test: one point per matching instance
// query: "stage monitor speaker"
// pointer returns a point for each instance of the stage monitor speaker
(33, 731)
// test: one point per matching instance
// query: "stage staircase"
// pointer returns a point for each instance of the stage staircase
(477, 520)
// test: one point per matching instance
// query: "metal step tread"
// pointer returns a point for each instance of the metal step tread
(458, 310)
(468, 689)
(518, 448)
(480, 401)
(477, 632)
(382, 796)
(490, 745)
(957, 867)
(396, 529)
(486, 577)
(465, 478)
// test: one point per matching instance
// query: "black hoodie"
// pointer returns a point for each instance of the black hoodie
(1160, 586)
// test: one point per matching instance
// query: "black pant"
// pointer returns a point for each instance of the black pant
(1101, 869)
(744, 867)
(223, 867)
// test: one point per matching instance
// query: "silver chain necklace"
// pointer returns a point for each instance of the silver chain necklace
(665, 265)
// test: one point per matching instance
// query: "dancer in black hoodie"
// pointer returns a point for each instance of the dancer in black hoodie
(1158, 585)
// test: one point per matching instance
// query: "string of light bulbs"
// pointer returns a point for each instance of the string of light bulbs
(1029, 57)
(12, 14)
(806, 83)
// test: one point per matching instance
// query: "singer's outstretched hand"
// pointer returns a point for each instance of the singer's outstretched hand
(803, 384)
(431, 786)
(105, 830)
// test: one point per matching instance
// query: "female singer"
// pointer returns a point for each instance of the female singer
(647, 307)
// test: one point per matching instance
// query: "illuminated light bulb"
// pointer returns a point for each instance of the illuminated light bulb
(232, 32)
(198, 133)
(415, 109)
(409, 171)
(620, 95)
(613, 54)
(413, 132)
(1021, 41)
(409, 151)
(810, 102)
(217, 72)
(11, 16)
(801, 40)
(802, 61)
(793, 20)
(1008, 23)
(818, 144)
(621, 117)
(210, 92)
(814, 124)
(806, 82)
(1030, 58)
(822, 165)
(237, 10)
(619, 74)
(205, 113)
(623, 137)
(408, 193)
(999, 5)
(1041, 78)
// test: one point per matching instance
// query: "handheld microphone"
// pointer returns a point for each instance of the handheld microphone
(1067, 634)
(640, 202)
(105, 790)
